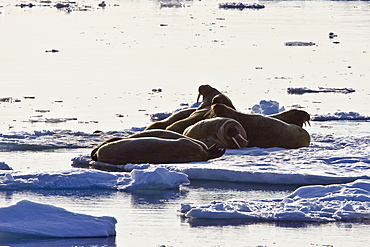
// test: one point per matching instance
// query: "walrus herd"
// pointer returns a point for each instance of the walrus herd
(203, 133)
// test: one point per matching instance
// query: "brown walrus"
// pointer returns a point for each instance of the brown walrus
(165, 134)
(208, 94)
(224, 132)
(264, 131)
(171, 119)
(155, 150)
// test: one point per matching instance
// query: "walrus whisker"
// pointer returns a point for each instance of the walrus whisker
(236, 142)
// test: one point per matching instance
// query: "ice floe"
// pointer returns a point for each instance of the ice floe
(152, 178)
(329, 159)
(43, 220)
(4, 166)
(267, 107)
(299, 43)
(303, 90)
(341, 202)
(240, 5)
(340, 116)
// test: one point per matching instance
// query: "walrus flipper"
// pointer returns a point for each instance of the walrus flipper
(215, 152)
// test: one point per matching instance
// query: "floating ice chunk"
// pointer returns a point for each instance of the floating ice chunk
(175, 4)
(303, 90)
(4, 166)
(43, 220)
(153, 178)
(240, 5)
(299, 43)
(64, 179)
(267, 107)
(340, 116)
(156, 178)
(340, 202)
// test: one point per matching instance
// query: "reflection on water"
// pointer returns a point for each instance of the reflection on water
(22, 240)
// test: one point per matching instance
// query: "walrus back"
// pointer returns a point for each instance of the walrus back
(151, 150)
(171, 119)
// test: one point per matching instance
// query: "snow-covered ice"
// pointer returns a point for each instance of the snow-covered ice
(329, 159)
(340, 202)
(152, 178)
(303, 90)
(43, 220)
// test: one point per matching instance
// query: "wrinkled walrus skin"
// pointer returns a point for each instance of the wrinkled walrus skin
(165, 134)
(155, 151)
(263, 131)
(224, 132)
(293, 116)
(208, 94)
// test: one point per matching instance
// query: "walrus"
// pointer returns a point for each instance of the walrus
(171, 119)
(156, 151)
(222, 99)
(293, 116)
(208, 94)
(165, 134)
(264, 131)
(224, 132)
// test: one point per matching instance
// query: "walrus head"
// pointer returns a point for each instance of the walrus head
(236, 136)
(208, 93)
(301, 117)
(218, 110)
(222, 99)
(294, 116)
(215, 152)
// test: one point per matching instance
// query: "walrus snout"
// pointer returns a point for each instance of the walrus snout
(234, 134)
(215, 152)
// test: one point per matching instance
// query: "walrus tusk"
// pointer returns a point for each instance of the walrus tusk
(236, 142)
(241, 137)
(308, 122)
(198, 97)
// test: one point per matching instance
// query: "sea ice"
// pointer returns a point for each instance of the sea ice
(152, 178)
(43, 220)
(302, 90)
(340, 202)
(267, 107)
(329, 159)
(4, 166)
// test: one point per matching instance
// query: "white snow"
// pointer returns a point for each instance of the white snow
(340, 202)
(43, 220)
(153, 178)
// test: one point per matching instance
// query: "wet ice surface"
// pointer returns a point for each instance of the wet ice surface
(344, 202)
(151, 179)
(42, 220)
